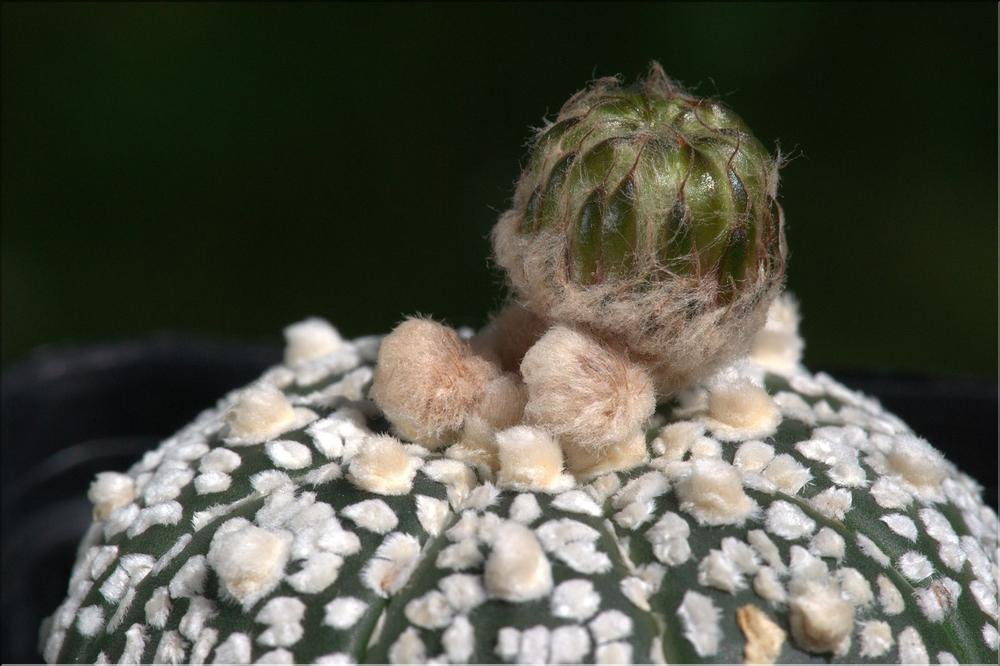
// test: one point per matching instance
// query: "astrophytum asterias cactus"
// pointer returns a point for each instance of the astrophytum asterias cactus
(648, 216)
(776, 516)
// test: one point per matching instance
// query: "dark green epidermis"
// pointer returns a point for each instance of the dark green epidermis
(632, 175)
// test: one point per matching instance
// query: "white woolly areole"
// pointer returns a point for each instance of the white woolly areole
(919, 464)
(876, 638)
(575, 599)
(517, 568)
(525, 509)
(109, 491)
(569, 645)
(309, 340)
(343, 612)
(740, 412)
(788, 521)
(408, 648)
(262, 412)
(778, 347)
(432, 513)
(585, 393)
(249, 560)
(459, 641)
(373, 515)
(753, 456)
(392, 564)
(911, 647)
(700, 618)
(288, 454)
(713, 493)
(889, 596)
(382, 466)
(821, 619)
(669, 538)
(427, 381)
(464, 592)
(827, 543)
(429, 611)
(832, 502)
(530, 459)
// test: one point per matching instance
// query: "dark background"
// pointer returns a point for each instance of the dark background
(227, 169)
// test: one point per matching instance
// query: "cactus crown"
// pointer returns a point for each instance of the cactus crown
(650, 179)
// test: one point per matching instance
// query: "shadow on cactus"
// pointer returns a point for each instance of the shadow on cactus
(627, 464)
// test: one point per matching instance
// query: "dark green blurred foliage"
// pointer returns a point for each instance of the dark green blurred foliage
(228, 169)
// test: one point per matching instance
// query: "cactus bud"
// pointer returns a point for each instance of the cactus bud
(649, 217)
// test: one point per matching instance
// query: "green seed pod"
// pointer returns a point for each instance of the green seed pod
(649, 217)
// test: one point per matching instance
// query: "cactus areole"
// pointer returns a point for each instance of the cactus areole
(628, 464)
(648, 216)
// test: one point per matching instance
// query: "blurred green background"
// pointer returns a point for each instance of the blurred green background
(227, 169)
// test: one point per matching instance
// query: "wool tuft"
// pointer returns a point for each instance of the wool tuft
(712, 492)
(587, 394)
(517, 568)
(382, 466)
(427, 380)
(529, 459)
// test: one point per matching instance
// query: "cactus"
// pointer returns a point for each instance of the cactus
(541, 504)
(279, 526)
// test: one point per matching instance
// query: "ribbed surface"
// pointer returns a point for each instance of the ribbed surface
(651, 178)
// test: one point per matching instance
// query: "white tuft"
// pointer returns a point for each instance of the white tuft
(575, 599)
(713, 493)
(431, 512)
(700, 618)
(570, 645)
(517, 568)
(408, 648)
(382, 466)
(524, 509)
(876, 638)
(911, 647)
(753, 456)
(459, 641)
(309, 340)
(610, 625)
(741, 411)
(464, 592)
(871, 549)
(249, 560)
(788, 521)
(821, 619)
(901, 525)
(529, 457)
(109, 491)
(429, 611)
(889, 597)
(343, 612)
(669, 538)
(827, 543)
(373, 515)
(288, 454)
(914, 566)
(391, 566)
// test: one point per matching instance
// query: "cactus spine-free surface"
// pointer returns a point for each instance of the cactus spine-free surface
(280, 527)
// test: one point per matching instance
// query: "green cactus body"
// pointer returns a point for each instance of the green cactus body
(626, 568)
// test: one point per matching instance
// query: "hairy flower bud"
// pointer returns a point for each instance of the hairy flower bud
(649, 217)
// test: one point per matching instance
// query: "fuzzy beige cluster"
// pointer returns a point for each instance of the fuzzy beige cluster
(517, 399)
